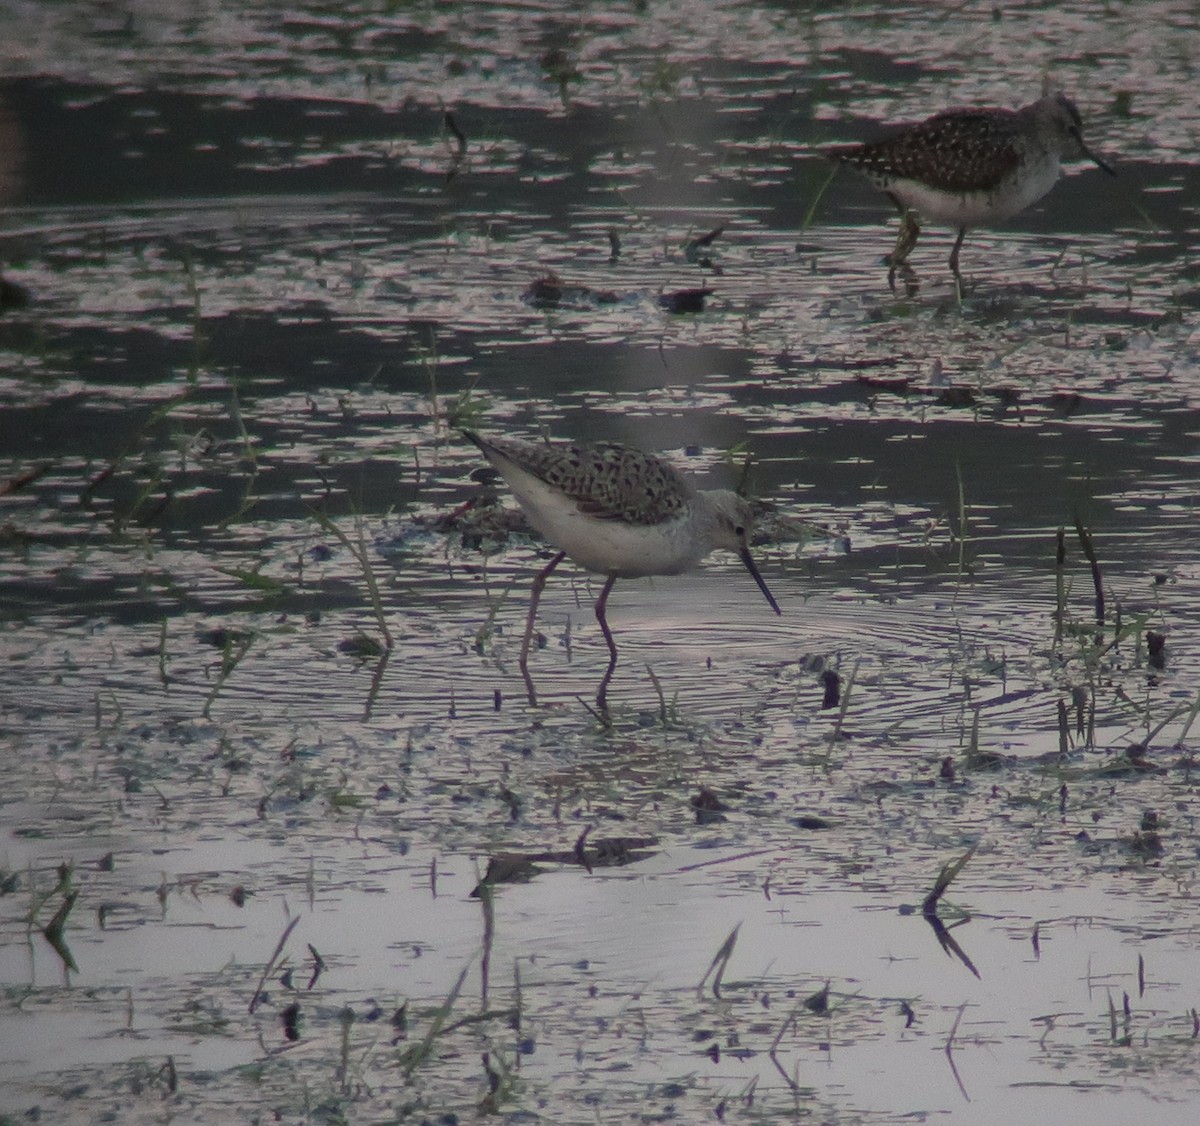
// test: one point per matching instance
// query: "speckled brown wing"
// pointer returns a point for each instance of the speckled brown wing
(612, 482)
(606, 481)
(955, 151)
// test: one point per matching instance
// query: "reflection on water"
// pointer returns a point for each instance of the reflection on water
(268, 278)
(12, 156)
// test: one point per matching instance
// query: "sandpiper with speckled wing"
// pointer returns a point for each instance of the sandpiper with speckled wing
(619, 512)
(971, 167)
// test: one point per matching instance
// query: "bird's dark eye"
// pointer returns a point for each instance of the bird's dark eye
(739, 530)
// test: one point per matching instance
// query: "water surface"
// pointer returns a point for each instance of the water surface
(265, 280)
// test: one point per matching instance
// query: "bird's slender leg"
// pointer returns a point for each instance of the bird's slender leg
(535, 596)
(906, 239)
(910, 231)
(601, 611)
(962, 231)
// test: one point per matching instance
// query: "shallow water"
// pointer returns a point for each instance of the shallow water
(265, 283)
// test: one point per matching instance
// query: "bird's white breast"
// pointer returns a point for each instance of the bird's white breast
(979, 208)
(606, 546)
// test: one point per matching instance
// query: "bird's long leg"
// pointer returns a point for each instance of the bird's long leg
(910, 231)
(962, 231)
(906, 239)
(535, 596)
(601, 610)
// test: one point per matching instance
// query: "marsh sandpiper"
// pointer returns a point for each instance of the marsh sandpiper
(970, 167)
(619, 512)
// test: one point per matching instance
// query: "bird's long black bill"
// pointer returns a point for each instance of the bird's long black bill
(748, 559)
(1098, 162)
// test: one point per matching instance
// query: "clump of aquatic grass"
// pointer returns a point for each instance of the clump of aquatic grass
(1063, 624)
(739, 459)
(811, 210)
(487, 902)
(248, 456)
(957, 526)
(199, 336)
(487, 629)
(1125, 1037)
(835, 732)
(663, 78)
(341, 798)
(816, 1003)
(945, 878)
(415, 1055)
(666, 714)
(161, 651)
(500, 1081)
(460, 145)
(53, 931)
(961, 534)
(233, 652)
(149, 465)
(560, 66)
(118, 715)
(144, 461)
(720, 963)
(346, 1022)
(359, 552)
(255, 580)
(463, 410)
(929, 909)
(1087, 643)
(272, 962)
(1089, 552)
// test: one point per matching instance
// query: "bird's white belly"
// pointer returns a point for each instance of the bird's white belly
(976, 209)
(607, 546)
(628, 550)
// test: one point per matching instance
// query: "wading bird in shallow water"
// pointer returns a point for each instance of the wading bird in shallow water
(619, 512)
(970, 167)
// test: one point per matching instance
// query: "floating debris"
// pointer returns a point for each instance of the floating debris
(549, 291)
(13, 296)
(362, 647)
(1156, 650)
(697, 249)
(685, 300)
